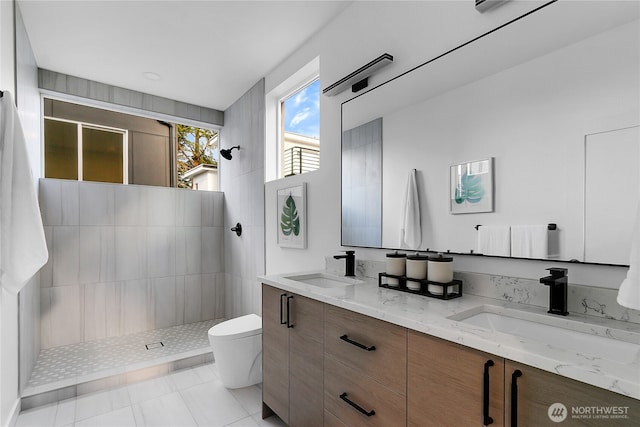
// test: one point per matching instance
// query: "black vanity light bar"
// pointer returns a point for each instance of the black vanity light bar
(359, 79)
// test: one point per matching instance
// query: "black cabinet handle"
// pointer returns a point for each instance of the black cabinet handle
(360, 409)
(357, 344)
(289, 298)
(486, 419)
(282, 322)
(514, 397)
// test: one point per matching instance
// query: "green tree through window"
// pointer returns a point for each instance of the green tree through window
(196, 146)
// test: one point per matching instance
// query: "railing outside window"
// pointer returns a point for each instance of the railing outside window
(297, 160)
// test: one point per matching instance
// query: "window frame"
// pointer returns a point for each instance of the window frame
(303, 84)
(79, 127)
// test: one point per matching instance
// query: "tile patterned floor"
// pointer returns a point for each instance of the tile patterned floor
(189, 397)
(117, 353)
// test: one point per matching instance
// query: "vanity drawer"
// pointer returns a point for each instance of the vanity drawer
(387, 363)
(370, 395)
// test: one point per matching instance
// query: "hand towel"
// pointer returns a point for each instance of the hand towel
(494, 240)
(411, 231)
(529, 241)
(629, 292)
(23, 249)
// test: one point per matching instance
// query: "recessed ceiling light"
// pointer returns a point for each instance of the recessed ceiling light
(149, 75)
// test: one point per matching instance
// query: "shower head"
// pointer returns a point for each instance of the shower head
(226, 153)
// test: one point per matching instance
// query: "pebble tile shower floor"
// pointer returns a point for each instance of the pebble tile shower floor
(77, 363)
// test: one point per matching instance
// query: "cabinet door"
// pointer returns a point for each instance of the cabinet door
(306, 362)
(446, 384)
(545, 399)
(275, 352)
(350, 337)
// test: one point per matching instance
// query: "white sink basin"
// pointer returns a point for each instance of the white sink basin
(324, 280)
(557, 332)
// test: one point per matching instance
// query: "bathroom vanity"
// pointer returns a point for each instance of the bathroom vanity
(362, 355)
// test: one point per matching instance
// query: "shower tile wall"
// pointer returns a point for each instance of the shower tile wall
(242, 180)
(127, 258)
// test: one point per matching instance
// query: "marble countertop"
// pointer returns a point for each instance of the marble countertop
(431, 316)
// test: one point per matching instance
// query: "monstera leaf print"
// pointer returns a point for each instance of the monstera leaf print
(289, 220)
(470, 189)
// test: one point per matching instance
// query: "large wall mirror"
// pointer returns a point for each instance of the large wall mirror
(551, 99)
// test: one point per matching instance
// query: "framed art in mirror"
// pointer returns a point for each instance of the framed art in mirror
(472, 187)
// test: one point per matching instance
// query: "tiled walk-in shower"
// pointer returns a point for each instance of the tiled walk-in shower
(67, 371)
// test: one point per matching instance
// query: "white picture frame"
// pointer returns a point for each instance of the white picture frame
(292, 216)
(471, 187)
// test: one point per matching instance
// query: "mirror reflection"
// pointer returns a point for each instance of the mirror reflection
(553, 102)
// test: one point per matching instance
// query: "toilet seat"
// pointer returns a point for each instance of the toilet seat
(240, 327)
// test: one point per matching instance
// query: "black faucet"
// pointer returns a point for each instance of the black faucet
(558, 290)
(350, 257)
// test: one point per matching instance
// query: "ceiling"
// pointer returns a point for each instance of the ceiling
(206, 52)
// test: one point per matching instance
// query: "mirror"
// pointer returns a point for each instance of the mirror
(543, 97)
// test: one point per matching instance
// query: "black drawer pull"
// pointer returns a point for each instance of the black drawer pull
(370, 413)
(289, 324)
(282, 322)
(514, 397)
(357, 344)
(486, 419)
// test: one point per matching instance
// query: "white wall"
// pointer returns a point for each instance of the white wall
(412, 32)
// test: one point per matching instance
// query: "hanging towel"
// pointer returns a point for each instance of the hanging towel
(494, 240)
(529, 241)
(411, 231)
(629, 292)
(23, 249)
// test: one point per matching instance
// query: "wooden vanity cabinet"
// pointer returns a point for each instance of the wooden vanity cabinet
(292, 357)
(365, 370)
(447, 383)
(537, 390)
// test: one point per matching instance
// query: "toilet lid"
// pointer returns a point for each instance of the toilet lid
(240, 327)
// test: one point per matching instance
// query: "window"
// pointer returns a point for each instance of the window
(299, 133)
(84, 152)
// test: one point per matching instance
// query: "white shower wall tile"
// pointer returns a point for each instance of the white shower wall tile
(130, 205)
(135, 306)
(188, 250)
(59, 202)
(129, 276)
(193, 298)
(212, 249)
(65, 255)
(163, 295)
(97, 254)
(97, 204)
(188, 208)
(66, 313)
(161, 206)
(131, 252)
(161, 251)
(46, 272)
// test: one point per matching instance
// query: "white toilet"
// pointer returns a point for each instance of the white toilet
(237, 350)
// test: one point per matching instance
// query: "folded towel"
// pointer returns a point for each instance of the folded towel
(23, 249)
(629, 292)
(529, 241)
(494, 240)
(411, 231)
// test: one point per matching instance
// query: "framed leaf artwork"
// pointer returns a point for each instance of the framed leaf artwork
(292, 216)
(471, 187)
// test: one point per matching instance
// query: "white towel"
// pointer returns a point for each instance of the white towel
(529, 241)
(411, 231)
(629, 292)
(23, 249)
(494, 240)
